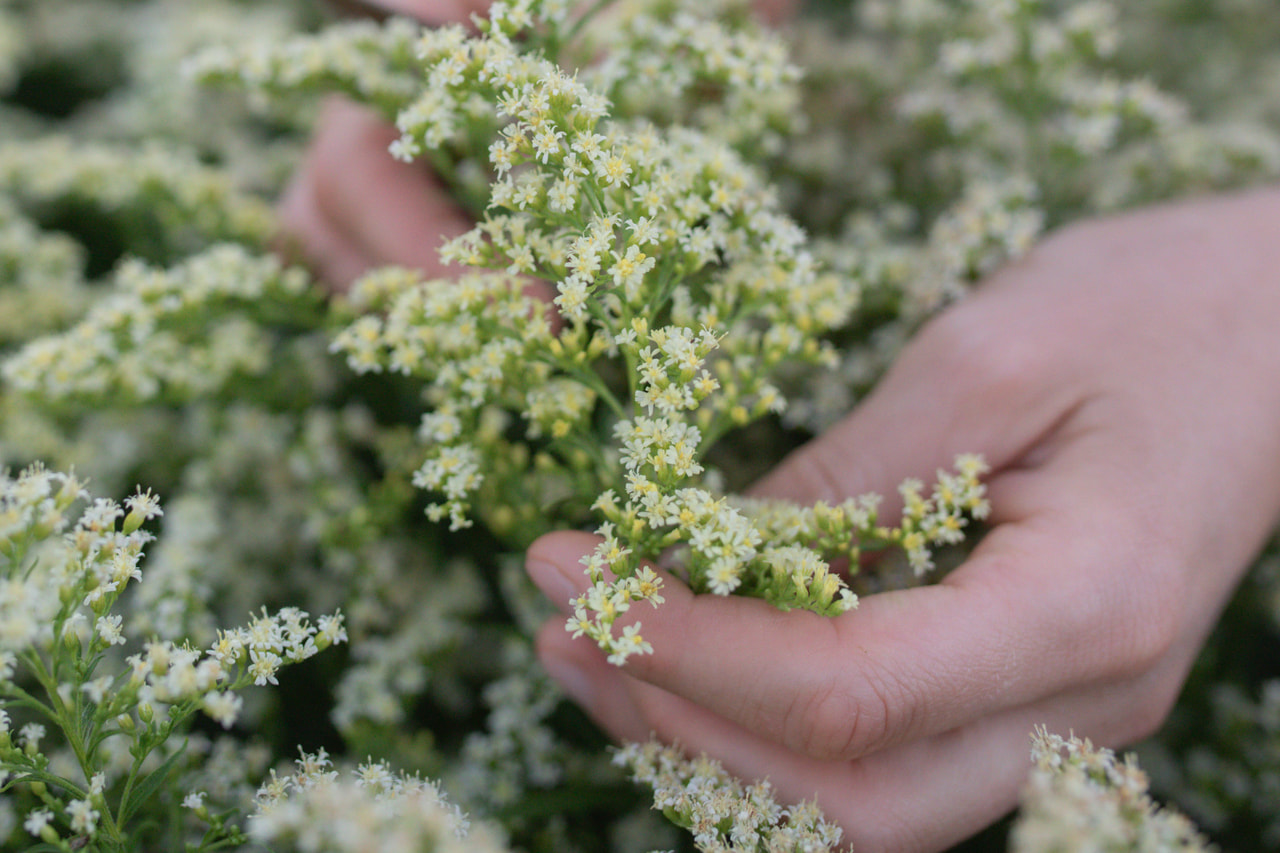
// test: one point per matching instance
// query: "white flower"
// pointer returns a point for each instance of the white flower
(83, 817)
(37, 820)
(330, 628)
(96, 690)
(223, 707)
(108, 628)
(724, 578)
(30, 734)
(264, 666)
(144, 504)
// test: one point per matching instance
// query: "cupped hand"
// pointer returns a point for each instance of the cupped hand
(1121, 379)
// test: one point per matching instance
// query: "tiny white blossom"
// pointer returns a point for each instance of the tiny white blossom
(109, 629)
(83, 817)
(37, 820)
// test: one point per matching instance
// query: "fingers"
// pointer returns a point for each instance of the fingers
(975, 380)
(352, 206)
(902, 666)
(436, 12)
(919, 796)
(309, 238)
(431, 12)
(1078, 584)
(399, 211)
(1042, 604)
(776, 11)
(897, 800)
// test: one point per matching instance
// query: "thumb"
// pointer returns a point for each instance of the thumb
(970, 382)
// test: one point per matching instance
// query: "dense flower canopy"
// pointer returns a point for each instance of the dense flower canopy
(738, 230)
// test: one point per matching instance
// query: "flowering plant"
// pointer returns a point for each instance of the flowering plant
(680, 251)
(116, 720)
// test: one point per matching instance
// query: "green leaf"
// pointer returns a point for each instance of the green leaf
(149, 786)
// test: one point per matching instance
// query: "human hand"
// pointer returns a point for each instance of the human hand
(432, 12)
(351, 206)
(1121, 381)
(441, 11)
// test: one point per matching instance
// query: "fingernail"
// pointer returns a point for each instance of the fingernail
(571, 678)
(553, 582)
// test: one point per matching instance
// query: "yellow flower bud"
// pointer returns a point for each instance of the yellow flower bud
(502, 520)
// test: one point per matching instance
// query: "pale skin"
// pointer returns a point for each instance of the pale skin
(1121, 381)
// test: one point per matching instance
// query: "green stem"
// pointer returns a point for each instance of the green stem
(582, 440)
(594, 196)
(23, 699)
(592, 380)
(178, 714)
(554, 46)
(47, 778)
(667, 282)
(715, 431)
(128, 785)
(632, 362)
(67, 719)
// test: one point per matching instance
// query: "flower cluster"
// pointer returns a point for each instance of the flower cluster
(45, 272)
(480, 333)
(707, 65)
(128, 67)
(391, 667)
(518, 750)
(59, 586)
(592, 204)
(774, 550)
(318, 810)
(851, 528)
(1082, 798)
(1023, 79)
(677, 237)
(371, 62)
(722, 813)
(169, 200)
(156, 335)
(1028, 90)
